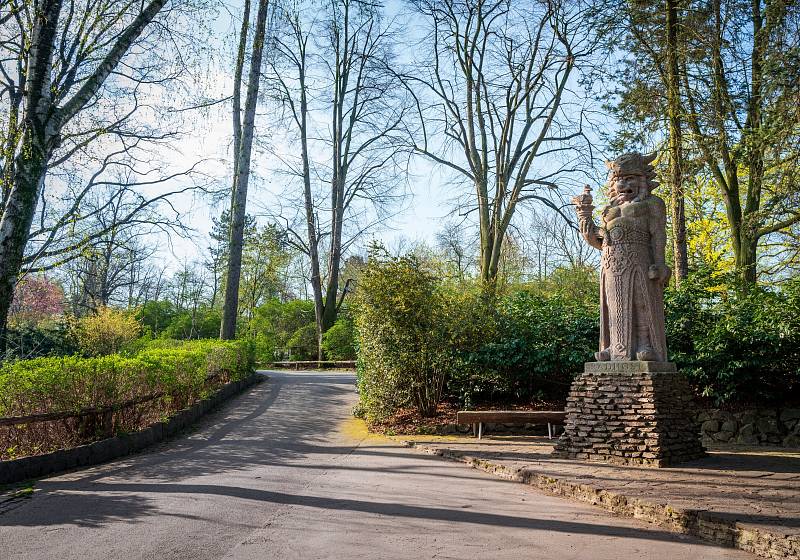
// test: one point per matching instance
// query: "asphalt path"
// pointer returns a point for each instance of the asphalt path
(281, 472)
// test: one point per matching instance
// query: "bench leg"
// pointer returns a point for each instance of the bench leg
(549, 431)
(480, 429)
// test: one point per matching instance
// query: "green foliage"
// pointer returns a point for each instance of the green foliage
(48, 338)
(183, 371)
(537, 343)
(735, 344)
(400, 322)
(106, 332)
(303, 343)
(204, 322)
(265, 258)
(264, 261)
(155, 316)
(457, 340)
(338, 342)
(577, 286)
(276, 322)
(263, 348)
(527, 343)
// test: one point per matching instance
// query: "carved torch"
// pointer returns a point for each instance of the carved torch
(583, 204)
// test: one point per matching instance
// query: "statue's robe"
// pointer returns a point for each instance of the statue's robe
(631, 304)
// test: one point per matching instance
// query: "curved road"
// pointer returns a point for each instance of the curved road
(277, 474)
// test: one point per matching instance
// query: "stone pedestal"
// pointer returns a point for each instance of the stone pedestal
(632, 413)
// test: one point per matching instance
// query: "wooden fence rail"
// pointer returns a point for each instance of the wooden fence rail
(51, 416)
(316, 364)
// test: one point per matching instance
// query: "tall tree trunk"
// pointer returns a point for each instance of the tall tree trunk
(241, 179)
(30, 162)
(755, 150)
(331, 309)
(486, 233)
(343, 65)
(31, 167)
(746, 259)
(311, 222)
(680, 252)
(241, 54)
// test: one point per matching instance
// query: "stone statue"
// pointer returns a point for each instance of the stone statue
(633, 274)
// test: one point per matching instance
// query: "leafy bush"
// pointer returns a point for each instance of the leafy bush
(106, 332)
(180, 372)
(534, 347)
(399, 318)
(734, 344)
(155, 316)
(204, 322)
(338, 342)
(263, 348)
(303, 343)
(277, 322)
(48, 338)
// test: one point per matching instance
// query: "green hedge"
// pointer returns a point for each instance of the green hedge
(179, 369)
(529, 348)
(736, 346)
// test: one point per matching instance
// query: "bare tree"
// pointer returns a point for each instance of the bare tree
(117, 265)
(557, 244)
(188, 289)
(456, 248)
(344, 100)
(492, 97)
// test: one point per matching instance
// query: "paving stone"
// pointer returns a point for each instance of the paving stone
(748, 497)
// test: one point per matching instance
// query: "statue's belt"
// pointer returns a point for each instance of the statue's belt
(621, 235)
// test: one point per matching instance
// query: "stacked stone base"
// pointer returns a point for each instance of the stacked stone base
(631, 413)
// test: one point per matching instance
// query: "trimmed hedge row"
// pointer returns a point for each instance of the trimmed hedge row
(179, 373)
(72, 383)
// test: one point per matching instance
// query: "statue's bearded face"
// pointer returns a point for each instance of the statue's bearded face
(627, 187)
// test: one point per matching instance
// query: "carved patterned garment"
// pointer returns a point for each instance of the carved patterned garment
(631, 304)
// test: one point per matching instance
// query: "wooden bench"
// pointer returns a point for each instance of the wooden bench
(478, 417)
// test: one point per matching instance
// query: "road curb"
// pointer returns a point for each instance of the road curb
(704, 524)
(118, 446)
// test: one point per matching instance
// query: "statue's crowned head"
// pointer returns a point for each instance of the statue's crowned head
(630, 177)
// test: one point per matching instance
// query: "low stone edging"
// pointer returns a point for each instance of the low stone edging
(118, 446)
(699, 523)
